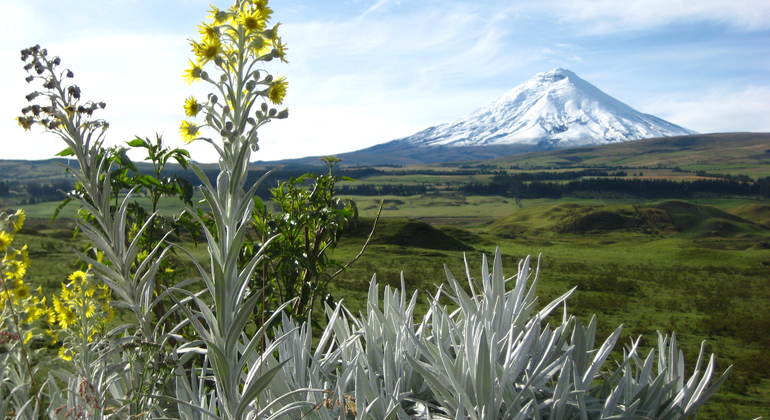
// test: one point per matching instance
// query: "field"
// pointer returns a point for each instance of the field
(703, 283)
(697, 265)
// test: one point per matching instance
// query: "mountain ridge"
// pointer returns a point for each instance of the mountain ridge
(554, 108)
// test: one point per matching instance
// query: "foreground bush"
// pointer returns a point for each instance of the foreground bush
(489, 353)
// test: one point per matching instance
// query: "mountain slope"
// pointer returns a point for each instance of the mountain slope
(553, 109)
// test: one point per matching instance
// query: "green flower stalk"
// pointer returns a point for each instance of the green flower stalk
(233, 45)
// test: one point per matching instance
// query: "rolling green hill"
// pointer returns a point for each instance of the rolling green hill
(669, 218)
(730, 153)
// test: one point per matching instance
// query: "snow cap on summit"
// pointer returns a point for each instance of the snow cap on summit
(555, 108)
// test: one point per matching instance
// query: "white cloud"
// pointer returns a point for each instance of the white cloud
(720, 110)
(612, 15)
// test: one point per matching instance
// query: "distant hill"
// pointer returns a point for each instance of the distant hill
(726, 153)
(674, 217)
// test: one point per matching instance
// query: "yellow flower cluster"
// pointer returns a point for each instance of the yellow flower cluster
(19, 307)
(14, 263)
(233, 39)
(80, 311)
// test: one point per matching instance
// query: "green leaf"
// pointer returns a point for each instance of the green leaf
(137, 142)
(66, 152)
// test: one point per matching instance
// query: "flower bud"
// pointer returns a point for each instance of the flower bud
(264, 107)
(250, 85)
(283, 114)
(56, 61)
(70, 74)
(272, 112)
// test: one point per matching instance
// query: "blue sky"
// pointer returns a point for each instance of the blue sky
(363, 72)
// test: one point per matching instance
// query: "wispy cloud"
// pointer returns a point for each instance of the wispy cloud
(611, 15)
(718, 110)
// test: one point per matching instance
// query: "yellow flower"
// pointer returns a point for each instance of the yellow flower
(192, 107)
(207, 50)
(28, 337)
(259, 46)
(218, 16)
(272, 34)
(189, 131)
(5, 240)
(277, 90)
(19, 219)
(208, 31)
(64, 354)
(279, 49)
(15, 269)
(57, 305)
(66, 318)
(36, 312)
(252, 20)
(21, 291)
(193, 72)
(261, 5)
(90, 310)
(78, 276)
(168, 270)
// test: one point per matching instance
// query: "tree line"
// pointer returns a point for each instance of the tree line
(647, 188)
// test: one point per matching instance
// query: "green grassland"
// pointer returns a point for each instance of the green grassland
(699, 266)
(692, 268)
(699, 269)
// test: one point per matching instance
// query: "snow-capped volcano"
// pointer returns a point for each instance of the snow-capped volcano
(552, 109)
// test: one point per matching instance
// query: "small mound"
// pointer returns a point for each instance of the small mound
(462, 235)
(418, 234)
(757, 213)
(602, 221)
(408, 233)
(706, 221)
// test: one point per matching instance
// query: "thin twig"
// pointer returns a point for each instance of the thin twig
(363, 248)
